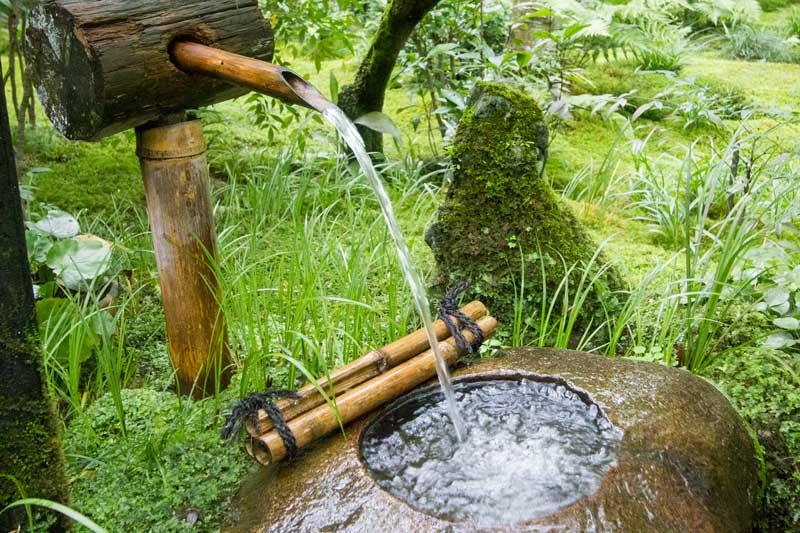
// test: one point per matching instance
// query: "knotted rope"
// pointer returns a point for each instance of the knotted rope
(448, 309)
(247, 409)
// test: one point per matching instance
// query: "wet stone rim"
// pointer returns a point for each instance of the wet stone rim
(398, 406)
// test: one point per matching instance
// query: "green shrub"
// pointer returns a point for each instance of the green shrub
(756, 44)
(660, 46)
(764, 386)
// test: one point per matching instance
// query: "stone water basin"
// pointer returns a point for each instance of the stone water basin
(668, 453)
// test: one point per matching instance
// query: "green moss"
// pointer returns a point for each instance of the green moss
(30, 450)
(500, 212)
(764, 388)
(780, 93)
(99, 178)
(774, 5)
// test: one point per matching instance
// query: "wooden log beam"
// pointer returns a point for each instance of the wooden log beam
(269, 448)
(103, 66)
(362, 369)
(176, 183)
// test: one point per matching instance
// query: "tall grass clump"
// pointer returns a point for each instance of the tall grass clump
(85, 355)
(560, 320)
(716, 214)
(758, 44)
(310, 277)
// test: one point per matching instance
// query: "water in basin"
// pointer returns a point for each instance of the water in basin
(532, 448)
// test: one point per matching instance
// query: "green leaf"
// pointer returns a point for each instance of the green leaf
(544, 12)
(776, 296)
(440, 49)
(779, 340)
(787, 322)
(79, 260)
(381, 123)
(58, 224)
(38, 246)
(574, 29)
(454, 97)
(63, 509)
(57, 318)
(334, 87)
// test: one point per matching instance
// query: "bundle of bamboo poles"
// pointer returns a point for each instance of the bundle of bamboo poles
(372, 380)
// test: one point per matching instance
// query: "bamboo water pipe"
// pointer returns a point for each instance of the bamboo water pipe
(260, 76)
(320, 421)
(365, 367)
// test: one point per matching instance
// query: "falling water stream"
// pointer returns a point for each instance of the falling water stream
(352, 137)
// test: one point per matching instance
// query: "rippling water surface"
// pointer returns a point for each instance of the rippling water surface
(532, 448)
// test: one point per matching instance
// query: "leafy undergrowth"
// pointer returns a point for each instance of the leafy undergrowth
(171, 468)
(764, 386)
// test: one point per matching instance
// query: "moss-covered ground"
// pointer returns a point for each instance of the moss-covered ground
(304, 252)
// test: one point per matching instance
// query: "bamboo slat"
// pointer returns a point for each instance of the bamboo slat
(312, 425)
(371, 364)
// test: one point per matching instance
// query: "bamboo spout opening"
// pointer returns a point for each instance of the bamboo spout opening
(193, 57)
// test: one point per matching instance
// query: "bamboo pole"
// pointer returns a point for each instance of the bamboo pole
(308, 427)
(371, 364)
(257, 75)
(173, 162)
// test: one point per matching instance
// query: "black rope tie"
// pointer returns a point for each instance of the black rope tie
(247, 409)
(448, 309)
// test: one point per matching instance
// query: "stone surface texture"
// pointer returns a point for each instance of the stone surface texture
(686, 461)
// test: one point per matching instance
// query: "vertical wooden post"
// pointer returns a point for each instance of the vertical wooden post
(176, 183)
(29, 446)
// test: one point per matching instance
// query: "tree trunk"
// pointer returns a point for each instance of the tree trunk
(366, 93)
(29, 447)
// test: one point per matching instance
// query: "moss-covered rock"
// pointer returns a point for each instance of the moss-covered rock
(501, 220)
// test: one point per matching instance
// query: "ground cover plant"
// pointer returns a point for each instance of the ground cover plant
(664, 142)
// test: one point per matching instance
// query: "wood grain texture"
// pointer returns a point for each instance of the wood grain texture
(179, 208)
(356, 372)
(308, 427)
(103, 66)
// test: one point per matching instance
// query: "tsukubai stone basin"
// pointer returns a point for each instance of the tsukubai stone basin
(684, 460)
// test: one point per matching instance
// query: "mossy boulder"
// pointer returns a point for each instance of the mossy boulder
(501, 220)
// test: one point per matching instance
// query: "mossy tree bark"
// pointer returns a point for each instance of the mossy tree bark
(366, 93)
(29, 447)
(501, 220)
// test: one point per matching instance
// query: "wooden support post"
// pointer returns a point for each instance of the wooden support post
(176, 183)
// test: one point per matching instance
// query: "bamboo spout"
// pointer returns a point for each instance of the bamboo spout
(260, 76)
